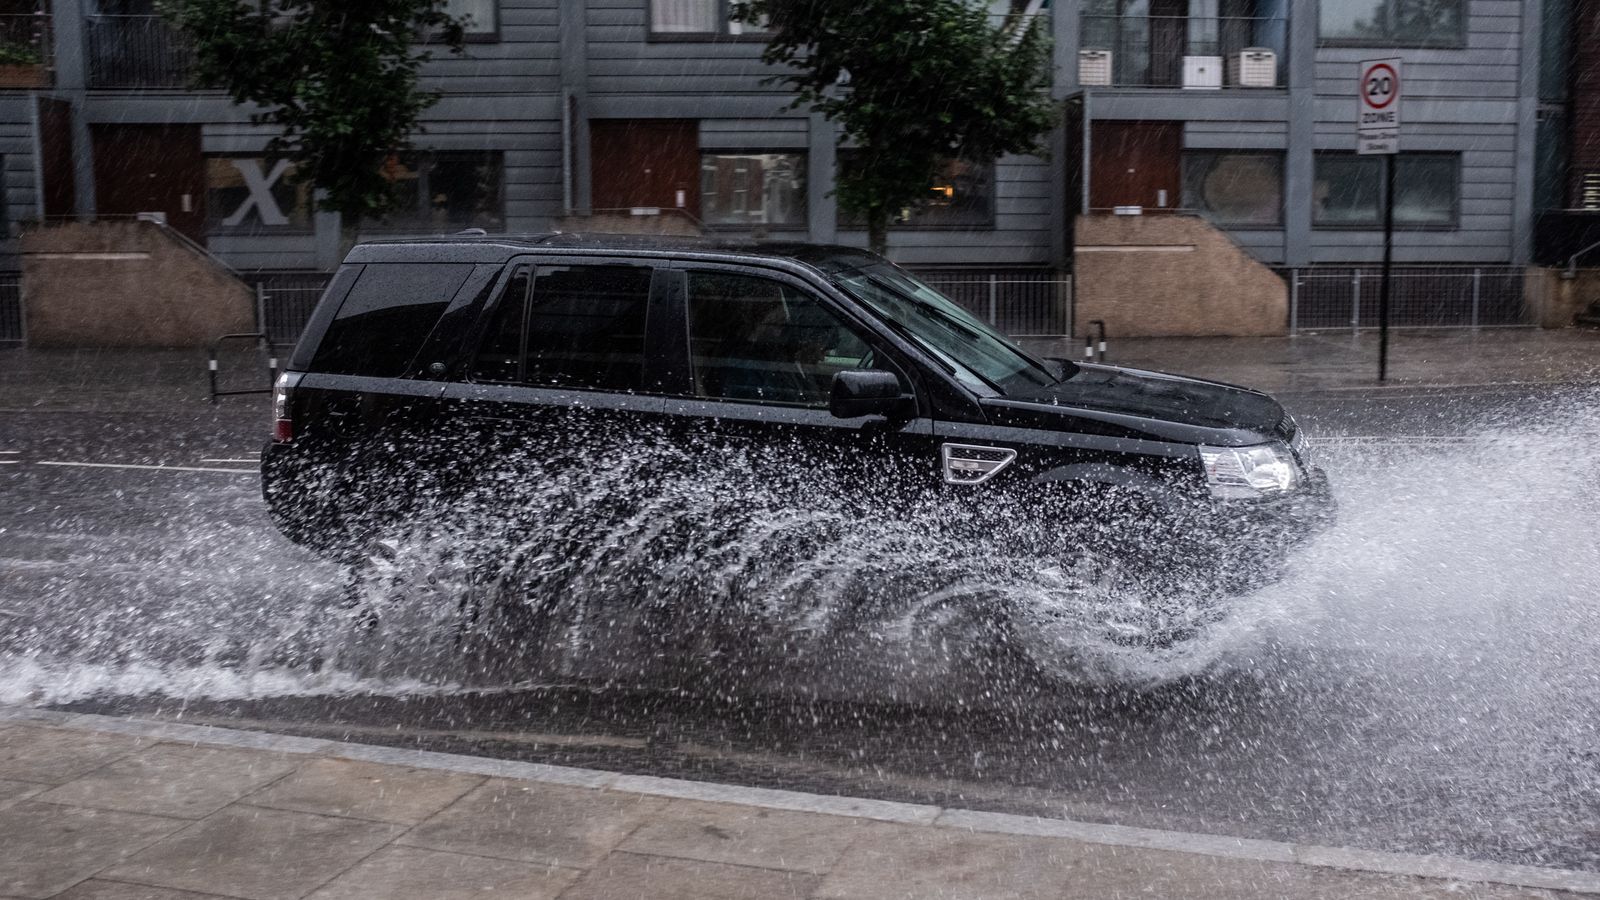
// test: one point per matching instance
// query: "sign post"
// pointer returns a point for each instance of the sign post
(1378, 134)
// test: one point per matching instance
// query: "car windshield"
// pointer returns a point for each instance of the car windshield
(980, 356)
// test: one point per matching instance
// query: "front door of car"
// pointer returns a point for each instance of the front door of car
(756, 366)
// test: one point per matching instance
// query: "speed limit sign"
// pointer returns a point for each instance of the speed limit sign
(1378, 118)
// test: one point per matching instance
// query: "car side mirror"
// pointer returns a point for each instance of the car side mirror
(867, 392)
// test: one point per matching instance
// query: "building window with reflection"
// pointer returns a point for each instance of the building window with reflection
(1241, 190)
(961, 196)
(753, 189)
(445, 190)
(1392, 23)
(1347, 191)
(254, 195)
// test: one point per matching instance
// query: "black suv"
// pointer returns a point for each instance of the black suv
(429, 363)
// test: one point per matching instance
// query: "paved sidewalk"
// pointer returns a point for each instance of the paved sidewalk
(118, 809)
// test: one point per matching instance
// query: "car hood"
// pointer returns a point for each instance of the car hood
(1153, 402)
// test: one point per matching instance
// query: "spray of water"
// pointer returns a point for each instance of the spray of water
(639, 568)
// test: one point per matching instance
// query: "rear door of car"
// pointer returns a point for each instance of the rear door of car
(554, 374)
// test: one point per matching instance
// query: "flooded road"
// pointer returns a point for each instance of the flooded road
(1426, 678)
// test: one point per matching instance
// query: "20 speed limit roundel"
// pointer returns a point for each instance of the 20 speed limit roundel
(1380, 85)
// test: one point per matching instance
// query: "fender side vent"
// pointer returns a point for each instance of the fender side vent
(968, 464)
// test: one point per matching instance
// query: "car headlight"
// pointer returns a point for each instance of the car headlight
(1238, 473)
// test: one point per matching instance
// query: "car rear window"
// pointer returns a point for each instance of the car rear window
(386, 316)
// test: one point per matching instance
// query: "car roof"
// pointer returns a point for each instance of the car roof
(499, 248)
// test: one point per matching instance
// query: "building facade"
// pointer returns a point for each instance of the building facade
(1241, 111)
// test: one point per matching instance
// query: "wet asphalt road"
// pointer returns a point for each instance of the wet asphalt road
(1426, 679)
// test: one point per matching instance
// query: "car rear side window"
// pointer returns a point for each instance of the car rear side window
(585, 327)
(386, 317)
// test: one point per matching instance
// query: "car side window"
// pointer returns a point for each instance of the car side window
(387, 316)
(585, 327)
(754, 338)
(499, 357)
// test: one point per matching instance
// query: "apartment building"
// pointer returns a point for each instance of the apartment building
(1240, 111)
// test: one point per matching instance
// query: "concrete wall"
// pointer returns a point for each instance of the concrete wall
(126, 284)
(1554, 301)
(1171, 276)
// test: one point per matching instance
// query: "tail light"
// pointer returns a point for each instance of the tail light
(283, 408)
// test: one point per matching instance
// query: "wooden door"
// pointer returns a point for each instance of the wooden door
(645, 162)
(1135, 164)
(151, 168)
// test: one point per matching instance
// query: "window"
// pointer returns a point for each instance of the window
(753, 189)
(698, 18)
(445, 191)
(252, 195)
(1348, 190)
(1240, 189)
(499, 357)
(390, 311)
(583, 327)
(1393, 23)
(480, 16)
(758, 339)
(962, 195)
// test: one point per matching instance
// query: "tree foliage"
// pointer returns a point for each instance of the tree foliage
(339, 78)
(911, 83)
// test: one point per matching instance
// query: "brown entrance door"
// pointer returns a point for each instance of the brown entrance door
(1135, 164)
(151, 168)
(645, 162)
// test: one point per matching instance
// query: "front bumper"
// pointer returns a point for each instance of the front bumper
(1291, 518)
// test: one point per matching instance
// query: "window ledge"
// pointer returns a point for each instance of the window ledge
(706, 37)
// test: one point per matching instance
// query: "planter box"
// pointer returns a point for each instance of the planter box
(34, 76)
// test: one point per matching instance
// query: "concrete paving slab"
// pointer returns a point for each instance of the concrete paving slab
(174, 780)
(53, 755)
(897, 862)
(746, 836)
(341, 787)
(536, 823)
(49, 848)
(258, 854)
(627, 876)
(890, 861)
(13, 791)
(96, 889)
(411, 873)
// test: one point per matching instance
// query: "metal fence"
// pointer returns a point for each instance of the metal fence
(287, 299)
(1020, 303)
(137, 52)
(1346, 297)
(12, 327)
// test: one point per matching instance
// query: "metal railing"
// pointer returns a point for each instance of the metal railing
(286, 302)
(1346, 297)
(137, 52)
(1149, 51)
(13, 323)
(1020, 303)
(26, 57)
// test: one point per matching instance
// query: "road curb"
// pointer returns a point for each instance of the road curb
(1373, 861)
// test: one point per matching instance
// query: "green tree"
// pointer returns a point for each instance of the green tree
(911, 84)
(338, 78)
